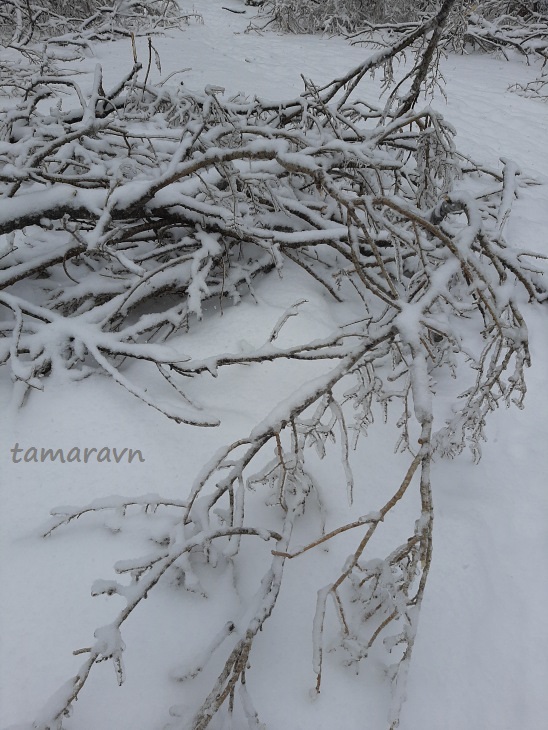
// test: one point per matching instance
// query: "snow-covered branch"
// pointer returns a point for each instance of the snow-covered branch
(488, 25)
(132, 209)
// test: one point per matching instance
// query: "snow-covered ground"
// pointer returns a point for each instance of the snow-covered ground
(480, 660)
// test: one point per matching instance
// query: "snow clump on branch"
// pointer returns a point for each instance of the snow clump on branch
(123, 215)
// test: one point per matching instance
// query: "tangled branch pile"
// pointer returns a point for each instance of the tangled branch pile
(60, 22)
(341, 16)
(489, 25)
(35, 37)
(123, 215)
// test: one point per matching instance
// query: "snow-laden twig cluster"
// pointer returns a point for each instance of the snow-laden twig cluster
(536, 89)
(78, 22)
(341, 16)
(126, 211)
(487, 25)
(36, 36)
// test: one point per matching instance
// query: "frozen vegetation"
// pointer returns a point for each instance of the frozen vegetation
(273, 335)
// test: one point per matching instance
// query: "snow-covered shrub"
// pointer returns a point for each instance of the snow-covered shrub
(23, 21)
(128, 210)
(488, 25)
(336, 16)
(35, 36)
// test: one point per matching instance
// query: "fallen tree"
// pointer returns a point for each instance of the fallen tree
(124, 215)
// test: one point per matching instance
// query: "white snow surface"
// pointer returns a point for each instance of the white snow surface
(480, 660)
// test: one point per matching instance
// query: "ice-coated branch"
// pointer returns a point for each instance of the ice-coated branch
(125, 214)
